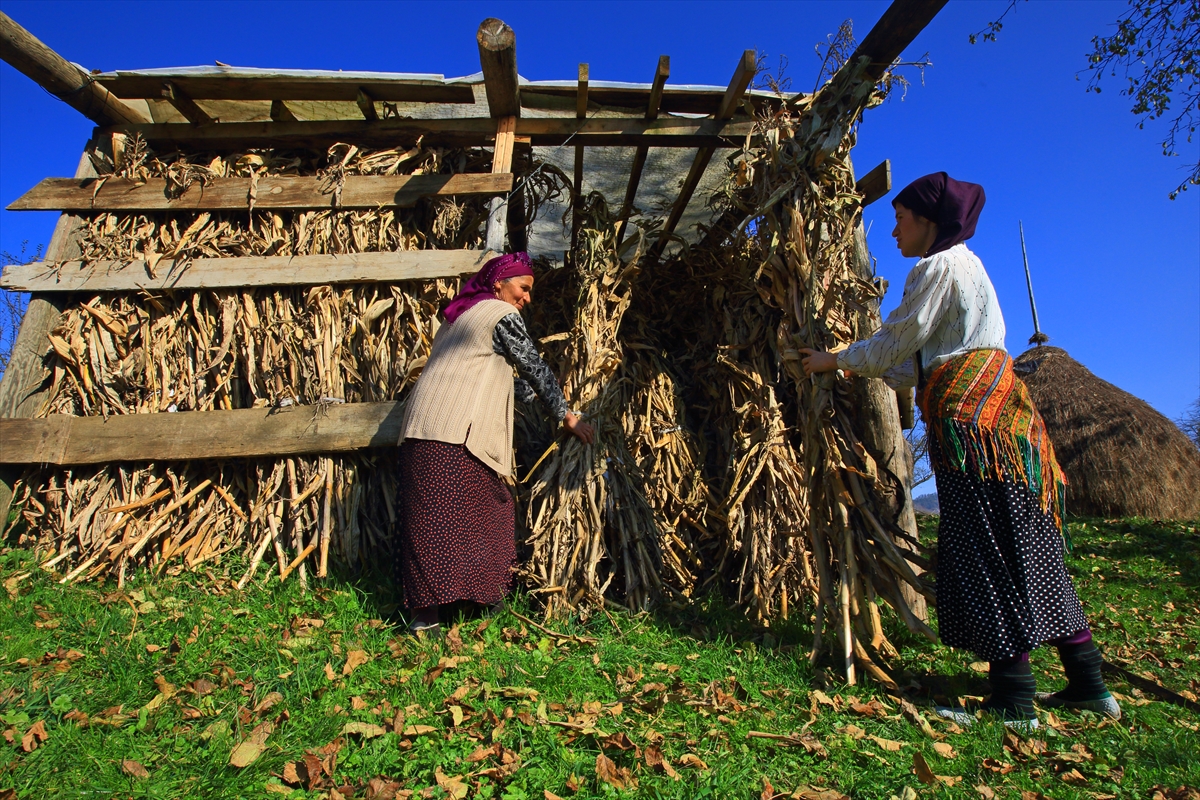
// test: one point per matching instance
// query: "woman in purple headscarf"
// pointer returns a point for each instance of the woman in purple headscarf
(456, 513)
(1002, 586)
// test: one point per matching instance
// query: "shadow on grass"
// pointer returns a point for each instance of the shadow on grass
(1131, 540)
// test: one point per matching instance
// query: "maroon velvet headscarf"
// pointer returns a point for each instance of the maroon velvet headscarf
(953, 205)
(479, 286)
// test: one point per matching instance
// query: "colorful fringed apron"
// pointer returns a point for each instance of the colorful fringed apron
(981, 420)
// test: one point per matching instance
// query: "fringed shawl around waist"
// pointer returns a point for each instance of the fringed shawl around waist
(981, 420)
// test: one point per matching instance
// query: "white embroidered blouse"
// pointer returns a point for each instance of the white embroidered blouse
(949, 307)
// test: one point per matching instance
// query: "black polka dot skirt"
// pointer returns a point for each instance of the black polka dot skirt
(1002, 585)
(456, 526)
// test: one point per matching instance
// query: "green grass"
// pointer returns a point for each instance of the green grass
(692, 682)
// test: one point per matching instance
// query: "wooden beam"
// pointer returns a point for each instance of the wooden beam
(581, 109)
(274, 192)
(64, 80)
(639, 157)
(231, 84)
(742, 76)
(502, 157)
(498, 58)
(366, 104)
(462, 132)
(875, 184)
(186, 105)
(193, 435)
(280, 112)
(25, 379)
(247, 271)
(894, 31)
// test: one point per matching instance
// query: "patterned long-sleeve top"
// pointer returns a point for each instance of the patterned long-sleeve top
(949, 307)
(511, 340)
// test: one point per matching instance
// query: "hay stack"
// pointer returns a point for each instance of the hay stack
(1122, 458)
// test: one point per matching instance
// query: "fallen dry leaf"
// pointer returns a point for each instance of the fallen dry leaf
(454, 787)
(985, 792)
(418, 730)
(34, 736)
(610, 773)
(944, 750)
(1073, 776)
(853, 731)
(887, 744)
(364, 729)
(248, 751)
(815, 793)
(131, 767)
(617, 741)
(330, 675)
(268, 702)
(656, 760)
(921, 768)
(692, 760)
(549, 795)
(354, 660)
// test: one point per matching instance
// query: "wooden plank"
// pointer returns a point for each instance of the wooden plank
(581, 109)
(639, 157)
(894, 31)
(194, 435)
(876, 183)
(366, 104)
(64, 80)
(635, 98)
(498, 59)
(465, 132)
(332, 87)
(274, 192)
(23, 385)
(213, 273)
(742, 76)
(186, 105)
(280, 112)
(502, 158)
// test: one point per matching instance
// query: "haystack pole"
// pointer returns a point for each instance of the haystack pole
(1038, 337)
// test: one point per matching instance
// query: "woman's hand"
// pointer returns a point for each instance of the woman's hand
(817, 361)
(579, 429)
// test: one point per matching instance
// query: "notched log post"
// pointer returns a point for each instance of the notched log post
(498, 58)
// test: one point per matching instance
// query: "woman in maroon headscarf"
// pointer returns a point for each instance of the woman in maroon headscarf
(1002, 586)
(456, 513)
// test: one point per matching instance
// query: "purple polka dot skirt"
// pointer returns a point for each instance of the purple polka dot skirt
(1002, 585)
(456, 532)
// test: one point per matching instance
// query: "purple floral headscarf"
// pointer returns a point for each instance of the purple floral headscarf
(479, 287)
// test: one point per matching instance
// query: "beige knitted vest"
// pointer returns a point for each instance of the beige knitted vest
(465, 391)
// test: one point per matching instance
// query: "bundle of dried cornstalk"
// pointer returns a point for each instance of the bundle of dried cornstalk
(800, 187)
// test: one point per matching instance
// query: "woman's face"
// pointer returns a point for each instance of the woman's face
(517, 291)
(913, 233)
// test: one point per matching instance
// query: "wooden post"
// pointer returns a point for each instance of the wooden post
(498, 59)
(23, 386)
(884, 439)
(64, 80)
(581, 106)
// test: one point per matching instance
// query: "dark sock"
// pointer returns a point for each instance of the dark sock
(1082, 663)
(1013, 687)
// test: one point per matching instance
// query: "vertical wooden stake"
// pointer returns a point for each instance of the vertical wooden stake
(501, 162)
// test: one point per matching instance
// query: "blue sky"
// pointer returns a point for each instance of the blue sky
(1116, 265)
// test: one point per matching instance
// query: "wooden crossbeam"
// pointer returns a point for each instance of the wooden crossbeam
(280, 112)
(366, 104)
(280, 86)
(876, 183)
(894, 31)
(639, 157)
(185, 105)
(193, 435)
(465, 132)
(246, 271)
(26, 53)
(742, 76)
(498, 58)
(273, 192)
